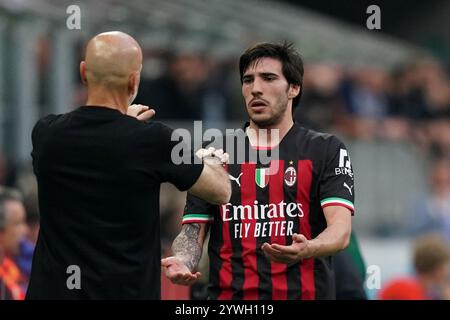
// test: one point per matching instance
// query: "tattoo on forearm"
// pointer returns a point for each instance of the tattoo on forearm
(187, 247)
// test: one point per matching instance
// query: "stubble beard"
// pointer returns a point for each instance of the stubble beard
(273, 120)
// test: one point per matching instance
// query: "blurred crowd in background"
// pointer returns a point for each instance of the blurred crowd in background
(408, 103)
(395, 119)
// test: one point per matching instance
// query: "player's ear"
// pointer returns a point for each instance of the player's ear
(294, 90)
(83, 72)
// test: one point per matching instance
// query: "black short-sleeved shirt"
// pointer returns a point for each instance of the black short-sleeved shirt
(99, 174)
(308, 171)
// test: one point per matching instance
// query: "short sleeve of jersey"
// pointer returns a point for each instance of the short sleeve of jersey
(337, 180)
(35, 136)
(38, 135)
(39, 128)
(175, 162)
(198, 210)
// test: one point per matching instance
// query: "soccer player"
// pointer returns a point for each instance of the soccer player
(99, 173)
(276, 237)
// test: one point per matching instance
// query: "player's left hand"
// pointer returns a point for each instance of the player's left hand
(298, 250)
(140, 112)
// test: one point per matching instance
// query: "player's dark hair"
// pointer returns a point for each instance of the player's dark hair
(291, 61)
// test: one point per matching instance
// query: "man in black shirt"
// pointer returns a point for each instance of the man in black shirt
(99, 172)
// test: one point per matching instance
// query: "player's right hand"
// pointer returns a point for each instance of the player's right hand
(301, 248)
(177, 272)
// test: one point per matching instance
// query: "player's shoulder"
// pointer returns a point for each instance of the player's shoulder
(314, 136)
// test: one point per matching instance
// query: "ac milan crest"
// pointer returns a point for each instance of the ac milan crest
(290, 176)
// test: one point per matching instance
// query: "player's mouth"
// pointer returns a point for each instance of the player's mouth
(258, 105)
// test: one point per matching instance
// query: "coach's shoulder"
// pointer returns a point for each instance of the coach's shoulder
(155, 126)
(156, 130)
(40, 129)
(48, 119)
(45, 121)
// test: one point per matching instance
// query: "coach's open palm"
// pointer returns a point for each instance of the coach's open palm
(178, 272)
(298, 250)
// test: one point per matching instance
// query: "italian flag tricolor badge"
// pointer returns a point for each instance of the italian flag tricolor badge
(262, 177)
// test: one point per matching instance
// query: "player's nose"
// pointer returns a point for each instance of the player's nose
(256, 87)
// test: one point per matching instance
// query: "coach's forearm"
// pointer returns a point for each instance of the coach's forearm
(213, 185)
(334, 238)
(188, 245)
(223, 180)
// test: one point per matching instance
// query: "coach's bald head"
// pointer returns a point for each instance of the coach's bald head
(112, 65)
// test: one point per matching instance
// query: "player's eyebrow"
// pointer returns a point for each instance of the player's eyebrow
(261, 74)
(268, 74)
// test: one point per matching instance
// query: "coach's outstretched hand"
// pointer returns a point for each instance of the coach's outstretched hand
(298, 250)
(178, 272)
(140, 112)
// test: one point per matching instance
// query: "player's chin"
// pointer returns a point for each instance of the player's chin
(261, 120)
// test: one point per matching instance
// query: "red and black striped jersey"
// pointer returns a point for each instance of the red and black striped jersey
(271, 201)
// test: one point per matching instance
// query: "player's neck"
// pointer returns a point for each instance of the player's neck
(108, 99)
(271, 135)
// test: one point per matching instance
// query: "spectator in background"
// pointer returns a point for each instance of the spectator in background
(407, 99)
(431, 280)
(33, 220)
(12, 230)
(431, 212)
(8, 172)
(189, 91)
(26, 183)
(433, 96)
(323, 102)
(437, 137)
(366, 101)
(177, 93)
(25, 258)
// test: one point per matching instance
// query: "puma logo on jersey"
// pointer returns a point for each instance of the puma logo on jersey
(349, 188)
(236, 179)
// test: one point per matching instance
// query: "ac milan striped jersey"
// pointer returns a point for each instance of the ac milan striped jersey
(270, 201)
